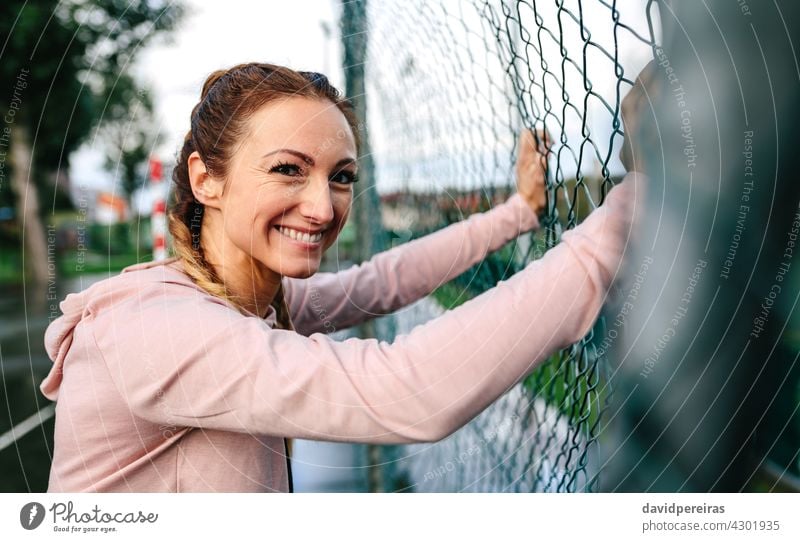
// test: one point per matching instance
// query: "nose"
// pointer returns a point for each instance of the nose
(316, 204)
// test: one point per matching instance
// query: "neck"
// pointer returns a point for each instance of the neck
(252, 284)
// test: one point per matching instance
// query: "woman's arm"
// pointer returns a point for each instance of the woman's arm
(392, 279)
(190, 359)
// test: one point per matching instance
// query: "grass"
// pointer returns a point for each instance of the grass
(10, 265)
(70, 263)
(104, 249)
(579, 397)
(450, 296)
(73, 263)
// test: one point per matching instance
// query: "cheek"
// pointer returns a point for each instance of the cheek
(261, 206)
(241, 219)
(342, 204)
(341, 207)
(239, 229)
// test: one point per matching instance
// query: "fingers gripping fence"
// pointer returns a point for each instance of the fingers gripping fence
(449, 86)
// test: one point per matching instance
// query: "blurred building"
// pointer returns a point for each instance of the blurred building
(110, 209)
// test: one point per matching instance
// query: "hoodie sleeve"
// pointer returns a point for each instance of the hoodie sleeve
(58, 340)
(190, 360)
(397, 277)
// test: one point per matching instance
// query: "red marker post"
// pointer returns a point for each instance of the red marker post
(158, 220)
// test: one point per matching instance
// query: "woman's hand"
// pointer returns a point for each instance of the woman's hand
(634, 104)
(532, 168)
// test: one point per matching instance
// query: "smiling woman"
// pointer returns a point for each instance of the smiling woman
(189, 374)
(269, 164)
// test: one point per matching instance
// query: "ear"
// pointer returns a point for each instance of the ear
(206, 189)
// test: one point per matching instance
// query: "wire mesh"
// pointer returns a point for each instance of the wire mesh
(449, 87)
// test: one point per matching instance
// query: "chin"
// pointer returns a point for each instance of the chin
(300, 272)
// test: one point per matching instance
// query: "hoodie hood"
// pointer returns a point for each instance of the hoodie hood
(79, 306)
(74, 308)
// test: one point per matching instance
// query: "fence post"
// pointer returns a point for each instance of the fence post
(366, 205)
(366, 213)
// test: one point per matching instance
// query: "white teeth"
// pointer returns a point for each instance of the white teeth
(300, 236)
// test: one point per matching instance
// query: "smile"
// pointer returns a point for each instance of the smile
(300, 236)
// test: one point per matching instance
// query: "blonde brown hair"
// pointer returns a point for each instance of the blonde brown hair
(218, 123)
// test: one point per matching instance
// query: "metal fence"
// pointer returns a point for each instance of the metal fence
(448, 86)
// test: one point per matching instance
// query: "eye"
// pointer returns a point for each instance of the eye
(288, 169)
(344, 177)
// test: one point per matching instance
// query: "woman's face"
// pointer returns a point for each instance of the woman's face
(289, 187)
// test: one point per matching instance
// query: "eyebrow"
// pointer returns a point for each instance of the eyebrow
(308, 160)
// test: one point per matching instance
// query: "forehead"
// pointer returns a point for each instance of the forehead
(315, 127)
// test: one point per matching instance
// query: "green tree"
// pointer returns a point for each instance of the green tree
(60, 63)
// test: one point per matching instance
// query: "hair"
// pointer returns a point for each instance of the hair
(218, 124)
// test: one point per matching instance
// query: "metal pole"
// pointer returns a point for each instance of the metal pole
(366, 211)
(366, 206)
(158, 220)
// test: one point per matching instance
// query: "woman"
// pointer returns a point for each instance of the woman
(188, 375)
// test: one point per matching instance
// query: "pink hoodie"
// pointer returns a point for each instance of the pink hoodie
(163, 387)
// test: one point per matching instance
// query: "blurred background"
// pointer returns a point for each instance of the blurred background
(96, 99)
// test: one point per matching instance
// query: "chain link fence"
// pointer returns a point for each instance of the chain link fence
(449, 86)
